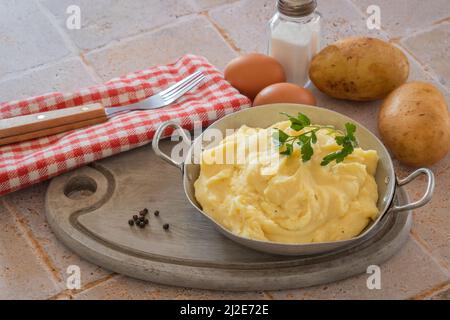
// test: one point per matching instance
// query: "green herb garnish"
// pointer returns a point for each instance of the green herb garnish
(306, 140)
(348, 143)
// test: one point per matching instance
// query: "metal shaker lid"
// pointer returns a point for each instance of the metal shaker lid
(296, 8)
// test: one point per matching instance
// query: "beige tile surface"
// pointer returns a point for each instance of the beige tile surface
(106, 20)
(244, 23)
(162, 46)
(22, 274)
(129, 289)
(27, 38)
(402, 17)
(340, 19)
(66, 75)
(431, 223)
(208, 4)
(432, 48)
(407, 274)
(28, 205)
(442, 295)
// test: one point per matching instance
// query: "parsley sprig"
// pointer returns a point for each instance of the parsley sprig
(307, 139)
(348, 143)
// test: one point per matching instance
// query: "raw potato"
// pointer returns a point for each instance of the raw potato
(359, 69)
(414, 124)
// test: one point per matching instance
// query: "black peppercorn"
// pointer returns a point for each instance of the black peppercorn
(166, 226)
(156, 213)
(141, 225)
(146, 221)
(142, 219)
(143, 212)
(135, 217)
(131, 222)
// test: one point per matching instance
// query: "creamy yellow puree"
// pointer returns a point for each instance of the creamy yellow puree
(288, 200)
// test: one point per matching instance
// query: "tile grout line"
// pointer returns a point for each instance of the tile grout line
(441, 21)
(14, 74)
(431, 292)
(215, 6)
(73, 293)
(139, 35)
(68, 41)
(130, 37)
(41, 67)
(33, 242)
(433, 75)
(44, 257)
(424, 29)
(425, 247)
(221, 32)
(80, 54)
(143, 32)
(413, 33)
(269, 295)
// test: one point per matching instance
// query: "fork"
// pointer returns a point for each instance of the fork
(42, 124)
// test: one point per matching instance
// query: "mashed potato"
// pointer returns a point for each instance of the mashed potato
(283, 199)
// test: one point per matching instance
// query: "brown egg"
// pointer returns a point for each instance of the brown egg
(253, 72)
(284, 93)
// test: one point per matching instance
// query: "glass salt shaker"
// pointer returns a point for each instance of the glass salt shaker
(294, 37)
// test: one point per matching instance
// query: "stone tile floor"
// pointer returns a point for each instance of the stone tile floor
(39, 54)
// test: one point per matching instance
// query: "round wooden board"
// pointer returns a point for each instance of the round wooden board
(89, 209)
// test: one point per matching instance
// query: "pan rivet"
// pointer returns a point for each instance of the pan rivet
(386, 180)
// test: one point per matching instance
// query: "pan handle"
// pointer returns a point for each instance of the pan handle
(426, 196)
(157, 139)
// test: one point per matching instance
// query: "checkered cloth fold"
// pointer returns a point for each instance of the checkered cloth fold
(26, 163)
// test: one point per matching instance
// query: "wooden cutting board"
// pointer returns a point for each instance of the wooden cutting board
(89, 209)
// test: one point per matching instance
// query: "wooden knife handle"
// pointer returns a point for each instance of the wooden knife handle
(47, 123)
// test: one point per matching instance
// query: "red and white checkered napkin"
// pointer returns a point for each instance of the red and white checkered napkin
(26, 163)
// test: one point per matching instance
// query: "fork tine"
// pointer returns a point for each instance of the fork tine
(181, 91)
(174, 91)
(180, 83)
(174, 96)
(163, 98)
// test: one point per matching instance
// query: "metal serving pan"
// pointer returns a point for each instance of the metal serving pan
(265, 116)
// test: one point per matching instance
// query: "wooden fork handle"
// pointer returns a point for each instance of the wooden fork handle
(37, 125)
